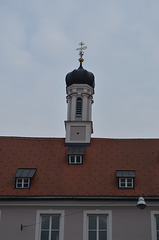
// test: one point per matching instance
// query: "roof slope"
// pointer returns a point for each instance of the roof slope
(97, 175)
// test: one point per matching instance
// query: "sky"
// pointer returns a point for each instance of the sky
(37, 49)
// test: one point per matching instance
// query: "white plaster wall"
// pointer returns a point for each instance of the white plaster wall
(128, 223)
(86, 93)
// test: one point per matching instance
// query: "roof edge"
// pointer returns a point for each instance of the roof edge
(75, 198)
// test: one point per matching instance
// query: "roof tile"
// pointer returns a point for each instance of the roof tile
(97, 175)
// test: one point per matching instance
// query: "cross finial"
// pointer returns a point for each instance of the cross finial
(81, 52)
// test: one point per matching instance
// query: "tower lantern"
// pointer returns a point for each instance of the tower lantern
(79, 90)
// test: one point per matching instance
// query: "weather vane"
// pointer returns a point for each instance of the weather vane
(81, 52)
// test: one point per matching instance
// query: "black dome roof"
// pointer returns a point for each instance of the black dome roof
(80, 76)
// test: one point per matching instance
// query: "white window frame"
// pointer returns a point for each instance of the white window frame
(22, 183)
(75, 159)
(126, 182)
(49, 212)
(154, 214)
(97, 212)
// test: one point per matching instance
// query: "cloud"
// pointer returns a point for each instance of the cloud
(37, 45)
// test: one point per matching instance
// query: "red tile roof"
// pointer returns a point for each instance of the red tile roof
(97, 175)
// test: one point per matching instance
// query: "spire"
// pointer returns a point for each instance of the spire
(80, 75)
(81, 52)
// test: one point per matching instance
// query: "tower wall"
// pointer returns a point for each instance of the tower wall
(84, 92)
(79, 127)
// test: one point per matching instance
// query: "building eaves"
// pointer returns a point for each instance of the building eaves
(84, 198)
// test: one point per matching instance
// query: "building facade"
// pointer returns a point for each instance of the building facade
(78, 187)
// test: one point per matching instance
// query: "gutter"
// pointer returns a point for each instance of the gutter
(101, 198)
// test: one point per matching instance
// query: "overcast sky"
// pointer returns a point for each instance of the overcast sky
(37, 49)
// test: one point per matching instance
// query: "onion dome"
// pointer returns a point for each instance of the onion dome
(80, 76)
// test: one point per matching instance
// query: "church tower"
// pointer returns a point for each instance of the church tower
(79, 90)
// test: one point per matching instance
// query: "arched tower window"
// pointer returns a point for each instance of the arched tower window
(79, 107)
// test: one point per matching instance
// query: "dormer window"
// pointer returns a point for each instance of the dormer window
(22, 182)
(79, 107)
(75, 154)
(125, 179)
(23, 177)
(75, 159)
(126, 182)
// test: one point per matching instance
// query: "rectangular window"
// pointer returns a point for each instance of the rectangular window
(22, 182)
(126, 183)
(79, 107)
(125, 178)
(75, 159)
(97, 225)
(157, 227)
(51, 225)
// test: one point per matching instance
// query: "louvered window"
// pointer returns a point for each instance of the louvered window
(79, 107)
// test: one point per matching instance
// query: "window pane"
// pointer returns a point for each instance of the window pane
(129, 180)
(129, 185)
(92, 222)
(19, 185)
(157, 223)
(45, 222)
(122, 180)
(92, 235)
(19, 180)
(44, 235)
(78, 159)
(26, 183)
(54, 235)
(102, 222)
(103, 235)
(72, 159)
(55, 222)
(122, 184)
